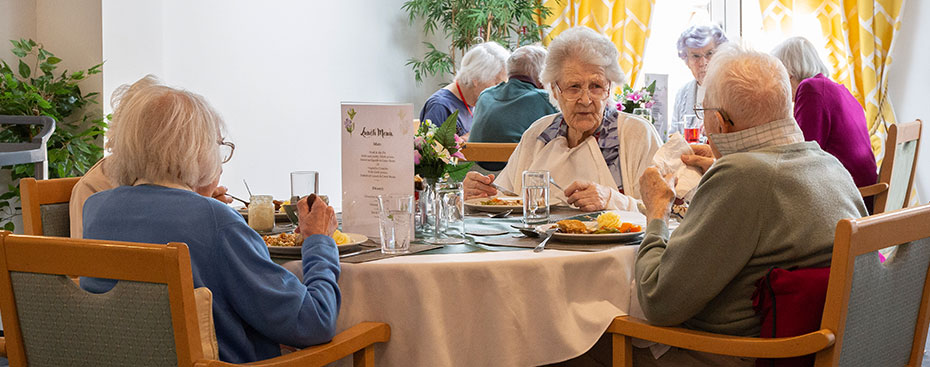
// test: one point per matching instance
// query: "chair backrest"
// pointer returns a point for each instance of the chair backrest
(879, 311)
(45, 206)
(898, 166)
(488, 152)
(148, 318)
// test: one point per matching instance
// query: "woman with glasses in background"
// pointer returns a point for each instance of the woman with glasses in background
(696, 46)
(592, 150)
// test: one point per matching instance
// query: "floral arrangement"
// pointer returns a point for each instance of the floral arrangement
(630, 99)
(436, 151)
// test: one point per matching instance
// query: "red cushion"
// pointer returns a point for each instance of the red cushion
(790, 303)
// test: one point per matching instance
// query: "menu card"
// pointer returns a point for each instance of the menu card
(377, 159)
(660, 108)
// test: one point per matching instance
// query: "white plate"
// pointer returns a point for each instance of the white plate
(591, 238)
(475, 203)
(354, 239)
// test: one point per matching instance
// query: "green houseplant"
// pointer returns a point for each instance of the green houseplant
(468, 22)
(32, 87)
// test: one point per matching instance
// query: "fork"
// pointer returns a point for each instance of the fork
(542, 245)
(500, 214)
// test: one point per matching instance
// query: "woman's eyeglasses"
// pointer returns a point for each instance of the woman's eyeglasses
(574, 93)
(226, 150)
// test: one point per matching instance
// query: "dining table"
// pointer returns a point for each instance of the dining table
(491, 301)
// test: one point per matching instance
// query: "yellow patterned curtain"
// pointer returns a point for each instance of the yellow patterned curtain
(860, 35)
(626, 23)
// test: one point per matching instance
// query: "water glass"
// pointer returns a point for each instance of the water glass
(304, 183)
(675, 127)
(449, 213)
(395, 220)
(692, 129)
(535, 197)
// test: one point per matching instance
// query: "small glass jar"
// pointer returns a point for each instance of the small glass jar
(261, 213)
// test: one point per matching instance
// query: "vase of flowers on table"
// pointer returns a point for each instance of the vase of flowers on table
(436, 155)
(638, 102)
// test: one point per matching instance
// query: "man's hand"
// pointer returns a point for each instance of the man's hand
(478, 185)
(702, 158)
(320, 219)
(587, 196)
(657, 193)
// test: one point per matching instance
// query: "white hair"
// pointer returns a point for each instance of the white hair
(800, 58)
(482, 64)
(699, 36)
(751, 87)
(585, 45)
(528, 61)
(163, 134)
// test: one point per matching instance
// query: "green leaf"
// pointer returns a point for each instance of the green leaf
(9, 226)
(457, 172)
(24, 70)
(446, 133)
(19, 52)
(53, 60)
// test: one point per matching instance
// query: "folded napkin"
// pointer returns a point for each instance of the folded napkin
(668, 160)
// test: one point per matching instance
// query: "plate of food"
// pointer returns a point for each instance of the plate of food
(609, 227)
(279, 214)
(290, 243)
(495, 204)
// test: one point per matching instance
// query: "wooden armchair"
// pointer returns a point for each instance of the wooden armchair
(896, 175)
(488, 152)
(876, 314)
(45, 206)
(148, 318)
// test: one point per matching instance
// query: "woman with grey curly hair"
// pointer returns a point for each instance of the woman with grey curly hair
(696, 46)
(483, 66)
(600, 151)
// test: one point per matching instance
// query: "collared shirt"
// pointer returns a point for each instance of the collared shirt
(778, 132)
(605, 134)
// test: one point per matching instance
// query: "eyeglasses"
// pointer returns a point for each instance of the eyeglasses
(574, 93)
(697, 56)
(700, 114)
(226, 150)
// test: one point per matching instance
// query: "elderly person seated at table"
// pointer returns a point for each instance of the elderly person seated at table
(826, 112)
(696, 45)
(769, 200)
(166, 146)
(505, 111)
(595, 152)
(483, 66)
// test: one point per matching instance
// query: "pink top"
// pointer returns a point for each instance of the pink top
(828, 114)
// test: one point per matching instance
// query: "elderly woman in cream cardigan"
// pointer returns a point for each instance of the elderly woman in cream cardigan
(592, 150)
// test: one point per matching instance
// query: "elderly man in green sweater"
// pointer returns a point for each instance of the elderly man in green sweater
(769, 200)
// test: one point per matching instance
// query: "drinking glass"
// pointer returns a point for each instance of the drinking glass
(395, 220)
(449, 210)
(535, 197)
(645, 113)
(304, 183)
(693, 127)
(675, 127)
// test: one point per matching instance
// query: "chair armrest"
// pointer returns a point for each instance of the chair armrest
(873, 190)
(740, 346)
(344, 344)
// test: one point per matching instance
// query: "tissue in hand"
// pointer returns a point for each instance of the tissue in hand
(668, 160)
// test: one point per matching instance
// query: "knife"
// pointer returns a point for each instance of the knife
(503, 190)
(365, 251)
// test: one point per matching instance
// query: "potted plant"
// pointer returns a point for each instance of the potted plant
(32, 87)
(469, 22)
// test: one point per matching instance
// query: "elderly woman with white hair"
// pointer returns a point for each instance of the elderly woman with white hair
(505, 111)
(696, 46)
(826, 111)
(483, 66)
(167, 146)
(591, 149)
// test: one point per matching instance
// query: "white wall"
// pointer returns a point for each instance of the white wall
(275, 70)
(909, 82)
(17, 20)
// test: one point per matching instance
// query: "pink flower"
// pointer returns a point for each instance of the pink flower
(418, 142)
(649, 104)
(458, 139)
(416, 156)
(459, 155)
(635, 96)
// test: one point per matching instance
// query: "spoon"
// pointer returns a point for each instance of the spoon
(527, 231)
(542, 244)
(247, 187)
(238, 199)
(500, 214)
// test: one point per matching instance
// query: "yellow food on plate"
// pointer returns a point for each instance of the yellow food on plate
(283, 239)
(608, 220)
(572, 226)
(341, 238)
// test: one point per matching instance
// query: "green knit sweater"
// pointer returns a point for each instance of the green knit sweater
(772, 207)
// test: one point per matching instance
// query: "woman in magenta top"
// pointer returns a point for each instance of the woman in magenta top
(826, 112)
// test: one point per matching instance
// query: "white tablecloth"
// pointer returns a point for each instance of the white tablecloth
(511, 308)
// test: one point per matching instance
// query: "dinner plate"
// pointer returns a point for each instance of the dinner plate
(590, 238)
(354, 239)
(279, 215)
(475, 203)
(278, 229)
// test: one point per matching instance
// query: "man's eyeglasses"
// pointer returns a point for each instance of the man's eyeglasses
(574, 93)
(226, 150)
(700, 114)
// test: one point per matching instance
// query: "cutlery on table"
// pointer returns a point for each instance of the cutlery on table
(503, 190)
(542, 244)
(247, 187)
(500, 214)
(527, 231)
(555, 184)
(359, 252)
(238, 199)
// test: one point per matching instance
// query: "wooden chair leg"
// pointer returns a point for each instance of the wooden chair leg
(622, 350)
(364, 357)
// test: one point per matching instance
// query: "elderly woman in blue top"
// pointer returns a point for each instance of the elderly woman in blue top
(696, 45)
(483, 66)
(166, 146)
(591, 149)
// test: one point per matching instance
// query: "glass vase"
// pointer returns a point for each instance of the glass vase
(448, 213)
(424, 210)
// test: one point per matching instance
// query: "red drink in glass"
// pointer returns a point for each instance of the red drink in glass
(693, 135)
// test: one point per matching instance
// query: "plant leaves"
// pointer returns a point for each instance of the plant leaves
(53, 60)
(24, 70)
